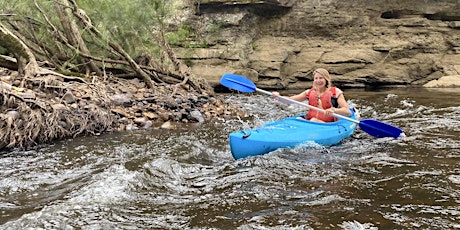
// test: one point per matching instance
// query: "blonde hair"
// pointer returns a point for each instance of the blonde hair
(325, 74)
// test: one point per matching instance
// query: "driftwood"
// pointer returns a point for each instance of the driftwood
(31, 118)
(41, 102)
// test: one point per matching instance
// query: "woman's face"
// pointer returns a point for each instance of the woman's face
(319, 80)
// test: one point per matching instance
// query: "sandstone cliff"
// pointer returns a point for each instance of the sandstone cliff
(362, 43)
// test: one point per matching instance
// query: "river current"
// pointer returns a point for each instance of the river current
(186, 178)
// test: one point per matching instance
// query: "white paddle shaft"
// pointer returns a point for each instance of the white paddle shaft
(308, 106)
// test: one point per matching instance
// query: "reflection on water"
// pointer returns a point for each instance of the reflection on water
(187, 178)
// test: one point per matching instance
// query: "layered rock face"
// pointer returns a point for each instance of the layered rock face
(278, 44)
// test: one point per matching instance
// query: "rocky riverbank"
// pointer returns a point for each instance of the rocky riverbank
(42, 110)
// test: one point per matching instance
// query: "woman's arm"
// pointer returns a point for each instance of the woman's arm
(343, 106)
(299, 97)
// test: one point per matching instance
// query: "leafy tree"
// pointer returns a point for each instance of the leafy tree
(91, 37)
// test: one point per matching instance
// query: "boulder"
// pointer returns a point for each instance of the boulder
(444, 82)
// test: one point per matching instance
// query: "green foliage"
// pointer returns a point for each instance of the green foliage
(131, 22)
(186, 37)
(215, 26)
(134, 24)
(3, 51)
(13, 6)
(180, 36)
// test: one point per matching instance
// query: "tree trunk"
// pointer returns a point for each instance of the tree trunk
(27, 64)
(74, 36)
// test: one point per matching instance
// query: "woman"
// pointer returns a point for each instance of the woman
(323, 96)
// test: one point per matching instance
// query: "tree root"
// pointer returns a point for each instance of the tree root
(30, 119)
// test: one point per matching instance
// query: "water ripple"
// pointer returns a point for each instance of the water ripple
(186, 178)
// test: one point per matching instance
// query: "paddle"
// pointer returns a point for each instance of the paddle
(372, 127)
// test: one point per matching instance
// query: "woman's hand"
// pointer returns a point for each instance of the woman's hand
(276, 95)
(330, 111)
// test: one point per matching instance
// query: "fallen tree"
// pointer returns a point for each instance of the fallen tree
(77, 47)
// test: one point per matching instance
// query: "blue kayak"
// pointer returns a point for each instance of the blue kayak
(289, 133)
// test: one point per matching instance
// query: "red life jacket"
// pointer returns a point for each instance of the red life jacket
(328, 100)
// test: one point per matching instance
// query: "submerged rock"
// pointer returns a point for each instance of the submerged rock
(167, 125)
(197, 115)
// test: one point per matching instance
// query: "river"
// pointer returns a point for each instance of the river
(187, 179)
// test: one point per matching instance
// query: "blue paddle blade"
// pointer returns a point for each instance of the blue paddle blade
(380, 129)
(238, 82)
